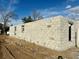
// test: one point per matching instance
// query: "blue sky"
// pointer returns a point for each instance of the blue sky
(47, 8)
(54, 7)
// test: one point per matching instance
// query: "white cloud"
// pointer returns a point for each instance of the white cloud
(48, 12)
(68, 6)
(16, 1)
(70, 0)
(73, 12)
(15, 22)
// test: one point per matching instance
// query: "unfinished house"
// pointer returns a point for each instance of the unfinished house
(58, 33)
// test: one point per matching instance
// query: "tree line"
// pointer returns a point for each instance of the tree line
(35, 16)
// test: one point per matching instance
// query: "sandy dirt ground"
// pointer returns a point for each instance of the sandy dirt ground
(13, 48)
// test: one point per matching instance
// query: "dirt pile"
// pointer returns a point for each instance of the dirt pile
(13, 48)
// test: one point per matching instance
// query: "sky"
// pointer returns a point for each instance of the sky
(47, 8)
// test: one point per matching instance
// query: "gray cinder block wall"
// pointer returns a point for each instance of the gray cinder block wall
(53, 34)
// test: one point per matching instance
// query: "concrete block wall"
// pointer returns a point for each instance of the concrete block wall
(65, 42)
(77, 32)
(52, 34)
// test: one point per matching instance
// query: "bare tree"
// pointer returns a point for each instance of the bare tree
(6, 12)
(36, 15)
